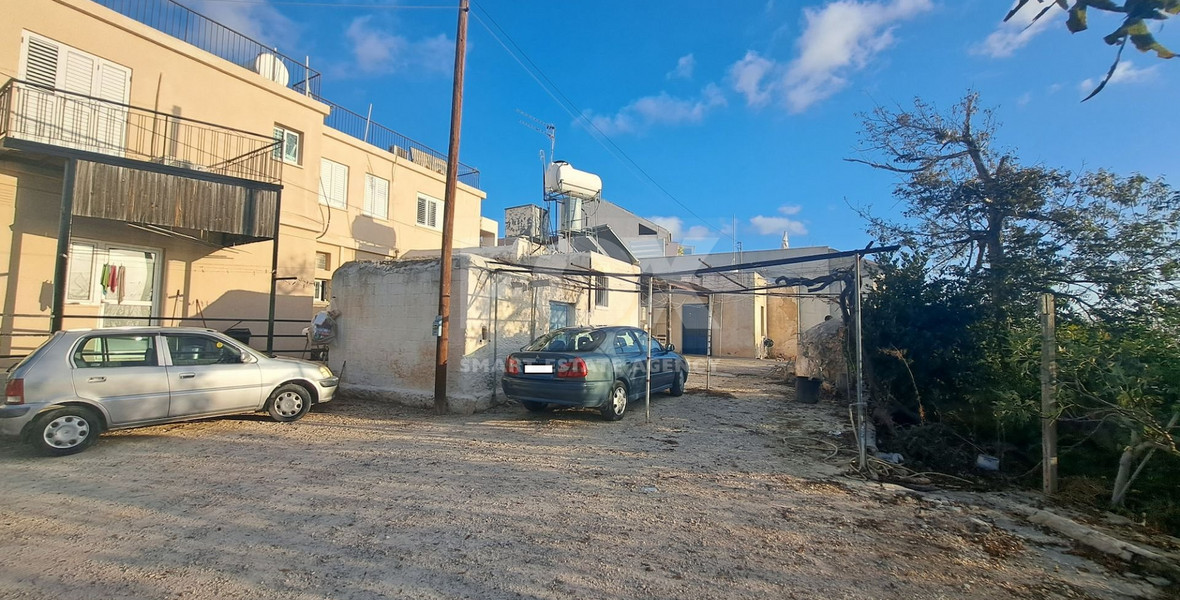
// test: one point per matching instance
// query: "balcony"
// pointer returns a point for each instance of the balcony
(64, 123)
(142, 166)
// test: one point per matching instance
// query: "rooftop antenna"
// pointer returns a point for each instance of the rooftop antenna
(548, 130)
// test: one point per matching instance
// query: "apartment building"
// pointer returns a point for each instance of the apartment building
(157, 166)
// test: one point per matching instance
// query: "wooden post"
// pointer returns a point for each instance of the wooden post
(1048, 394)
(448, 229)
(651, 312)
(61, 263)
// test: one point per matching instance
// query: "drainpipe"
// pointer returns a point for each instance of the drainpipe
(61, 263)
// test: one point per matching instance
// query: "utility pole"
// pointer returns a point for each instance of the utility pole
(448, 231)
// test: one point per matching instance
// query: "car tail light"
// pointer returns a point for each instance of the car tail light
(573, 368)
(512, 366)
(15, 391)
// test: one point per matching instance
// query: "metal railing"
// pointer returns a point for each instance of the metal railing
(59, 118)
(190, 26)
(362, 128)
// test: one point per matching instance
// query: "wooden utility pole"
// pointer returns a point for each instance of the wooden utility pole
(448, 231)
(1048, 394)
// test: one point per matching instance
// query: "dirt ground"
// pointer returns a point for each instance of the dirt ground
(736, 493)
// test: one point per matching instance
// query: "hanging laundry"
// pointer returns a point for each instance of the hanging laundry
(114, 278)
(121, 279)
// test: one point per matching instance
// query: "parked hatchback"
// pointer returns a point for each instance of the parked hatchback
(602, 367)
(80, 383)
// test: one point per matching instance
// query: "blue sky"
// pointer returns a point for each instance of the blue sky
(723, 112)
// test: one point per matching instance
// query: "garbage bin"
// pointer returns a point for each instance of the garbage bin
(241, 334)
(807, 389)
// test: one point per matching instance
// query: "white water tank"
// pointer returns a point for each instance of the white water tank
(562, 178)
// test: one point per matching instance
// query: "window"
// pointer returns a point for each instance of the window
(333, 184)
(376, 197)
(99, 273)
(79, 281)
(291, 148)
(625, 342)
(66, 119)
(600, 291)
(321, 292)
(323, 261)
(645, 230)
(196, 350)
(116, 351)
(428, 209)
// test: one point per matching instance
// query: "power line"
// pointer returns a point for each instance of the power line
(578, 114)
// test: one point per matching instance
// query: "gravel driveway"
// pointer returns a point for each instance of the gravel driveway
(735, 493)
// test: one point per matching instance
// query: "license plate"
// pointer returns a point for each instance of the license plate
(538, 369)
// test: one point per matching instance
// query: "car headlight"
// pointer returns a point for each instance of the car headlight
(325, 371)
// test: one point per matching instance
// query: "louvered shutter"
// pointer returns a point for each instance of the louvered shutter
(433, 220)
(376, 196)
(422, 211)
(113, 85)
(333, 184)
(37, 106)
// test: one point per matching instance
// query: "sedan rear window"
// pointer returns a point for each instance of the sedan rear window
(568, 340)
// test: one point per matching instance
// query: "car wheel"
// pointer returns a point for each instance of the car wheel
(678, 385)
(65, 430)
(535, 406)
(288, 403)
(616, 402)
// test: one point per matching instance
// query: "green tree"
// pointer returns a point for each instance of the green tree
(1136, 15)
(954, 325)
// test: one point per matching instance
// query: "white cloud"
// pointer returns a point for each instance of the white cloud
(777, 225)
(661, 109)
(378, 51)
(841, 37)
(1126, 72)
(838, 39)
(1017, 32)
(747, 75)
(684, 68)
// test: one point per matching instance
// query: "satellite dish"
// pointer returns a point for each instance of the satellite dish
(270, 66)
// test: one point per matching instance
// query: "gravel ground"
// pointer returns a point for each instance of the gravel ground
(734, 493)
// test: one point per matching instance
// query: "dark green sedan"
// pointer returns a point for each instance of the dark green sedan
(595, 367)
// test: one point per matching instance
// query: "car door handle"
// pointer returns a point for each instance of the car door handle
(96, 380)
(187, 375)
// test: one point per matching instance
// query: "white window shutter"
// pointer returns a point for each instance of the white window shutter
(41, 62)
(422, 211)
(77, 73)
(433, 213)
(340, 186)
(325, 179)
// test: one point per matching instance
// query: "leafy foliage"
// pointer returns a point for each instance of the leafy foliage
(1134, 28)
(951, 332)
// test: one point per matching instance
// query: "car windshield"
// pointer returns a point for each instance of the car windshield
(568, 340)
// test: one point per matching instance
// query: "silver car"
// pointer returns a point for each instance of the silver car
(80, 383)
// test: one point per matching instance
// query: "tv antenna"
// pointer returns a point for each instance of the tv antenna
(548, 130)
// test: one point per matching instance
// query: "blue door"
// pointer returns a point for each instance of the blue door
(560, 315)
(695, 329)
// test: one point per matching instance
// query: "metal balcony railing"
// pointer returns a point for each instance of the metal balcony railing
(63, 119)
(364, 129)
(190, 26)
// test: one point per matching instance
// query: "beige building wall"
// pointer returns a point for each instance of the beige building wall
(198, 280)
